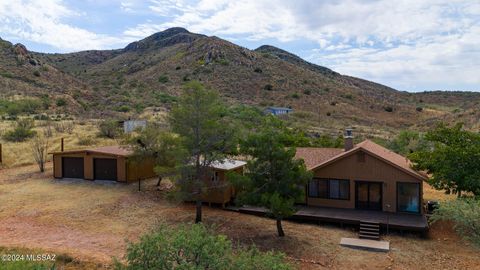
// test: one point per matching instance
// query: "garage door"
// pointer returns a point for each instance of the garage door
(105, 168)
(72, 167)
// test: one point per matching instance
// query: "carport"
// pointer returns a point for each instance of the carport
(103, 163)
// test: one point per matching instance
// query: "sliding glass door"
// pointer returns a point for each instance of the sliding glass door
(368, 195)
(408, 197)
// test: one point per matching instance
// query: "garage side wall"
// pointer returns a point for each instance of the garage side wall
(140, 170)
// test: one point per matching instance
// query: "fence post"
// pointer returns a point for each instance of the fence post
(61, 145)
(1, 160)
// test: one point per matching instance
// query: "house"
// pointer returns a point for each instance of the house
(365, 176)
(278, 110)
(104, 163)
(216, 187)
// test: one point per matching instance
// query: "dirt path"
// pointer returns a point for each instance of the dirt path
(29, 233)
(90, 221)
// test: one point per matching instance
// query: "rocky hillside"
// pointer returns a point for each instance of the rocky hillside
(150, 73)
(24, 74)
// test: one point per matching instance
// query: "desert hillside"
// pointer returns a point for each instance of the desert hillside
(149, 74)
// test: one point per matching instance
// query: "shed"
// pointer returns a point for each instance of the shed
(104, 163)
(132, 125)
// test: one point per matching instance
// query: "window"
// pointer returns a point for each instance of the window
(408, 197)
(313, 188)
(337, 189)
(214, 177)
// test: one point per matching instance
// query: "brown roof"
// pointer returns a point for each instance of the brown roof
(115, 150)
(319, 157)
(315, 156)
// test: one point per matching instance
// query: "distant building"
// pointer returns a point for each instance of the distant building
(131, 125)
(278, 110)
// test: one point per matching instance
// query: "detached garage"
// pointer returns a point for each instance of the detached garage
(103, 163)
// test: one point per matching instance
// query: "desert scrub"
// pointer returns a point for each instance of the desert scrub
(163, 79)
(21, 132)
(195, 247)
(465, 213)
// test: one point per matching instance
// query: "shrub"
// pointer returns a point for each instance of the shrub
(268, 87)
(333, 103)
(163, 79)
(307, 92)
(85, 141)
(123, 108)
(295, 95)
(64, 127)
(419, 109)
(21, 132)
(178, 68)
(61, 102)
(109, 129)
(195, 247)
(329, 113)
(388, 108)
(465, 213)
(22, 106)
(258, 70)
(36, 73)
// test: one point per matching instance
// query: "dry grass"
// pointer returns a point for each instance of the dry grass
(20, 154)
(91, 221)
(429, 193)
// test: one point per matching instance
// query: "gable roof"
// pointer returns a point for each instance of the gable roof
(114, 150)
(313, 156)
(368, 146)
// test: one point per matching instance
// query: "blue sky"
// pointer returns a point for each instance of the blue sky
(411, 45)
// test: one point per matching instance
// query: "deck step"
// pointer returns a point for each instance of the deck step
(366, 236)
(369, 230)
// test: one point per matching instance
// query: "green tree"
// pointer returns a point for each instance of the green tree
(109, 129)
(199, 118)
(195, 247)
(163, 146)
(452, 161)
(407, 142)
(274, 178)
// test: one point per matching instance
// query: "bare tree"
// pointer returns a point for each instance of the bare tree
(39, 146)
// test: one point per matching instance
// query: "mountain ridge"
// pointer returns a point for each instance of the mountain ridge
(149, 73)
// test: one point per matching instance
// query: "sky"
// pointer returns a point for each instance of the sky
(410, 45)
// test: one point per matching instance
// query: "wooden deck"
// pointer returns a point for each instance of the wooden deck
(409, 222)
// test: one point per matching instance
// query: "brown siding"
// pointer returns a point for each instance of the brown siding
(372, 169)
(222, 191)
(139, 170)
(89, 170)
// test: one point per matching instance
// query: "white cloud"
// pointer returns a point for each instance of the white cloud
(41, 22)
(408, 44)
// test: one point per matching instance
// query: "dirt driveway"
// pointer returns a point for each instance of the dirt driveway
(91, 221)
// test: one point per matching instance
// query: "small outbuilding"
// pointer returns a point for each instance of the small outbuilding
(112, 163)
(278, 110)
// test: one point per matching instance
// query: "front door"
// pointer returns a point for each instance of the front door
(368, 195)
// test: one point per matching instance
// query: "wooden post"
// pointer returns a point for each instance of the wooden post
(61, 145)
(1, 154)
